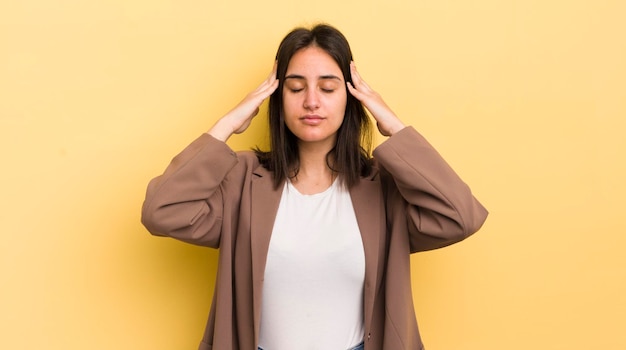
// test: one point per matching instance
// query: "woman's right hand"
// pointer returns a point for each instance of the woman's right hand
(239, 118)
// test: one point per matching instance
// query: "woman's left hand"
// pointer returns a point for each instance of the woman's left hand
(386, 121)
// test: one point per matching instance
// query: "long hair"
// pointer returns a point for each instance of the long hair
(351, 154)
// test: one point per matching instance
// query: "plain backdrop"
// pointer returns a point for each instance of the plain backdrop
(525, 99)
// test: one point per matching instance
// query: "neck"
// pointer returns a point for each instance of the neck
(314, 175)
(313, 157)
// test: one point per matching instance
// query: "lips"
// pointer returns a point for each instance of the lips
(312, 119)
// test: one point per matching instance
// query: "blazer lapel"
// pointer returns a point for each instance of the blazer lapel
(368, 206)
(264, 202)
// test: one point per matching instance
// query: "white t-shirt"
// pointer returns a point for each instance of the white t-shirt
(313, 287)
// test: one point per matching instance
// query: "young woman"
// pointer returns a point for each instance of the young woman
(315, 233)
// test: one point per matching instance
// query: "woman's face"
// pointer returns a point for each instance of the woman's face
(314, 97)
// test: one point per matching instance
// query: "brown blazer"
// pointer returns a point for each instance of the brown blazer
(212, 196)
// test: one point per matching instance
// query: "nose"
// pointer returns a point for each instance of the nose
(311, 99)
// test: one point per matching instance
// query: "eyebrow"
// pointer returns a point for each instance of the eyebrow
(300, 77)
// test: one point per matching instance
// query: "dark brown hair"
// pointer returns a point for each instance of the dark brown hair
(351, 154)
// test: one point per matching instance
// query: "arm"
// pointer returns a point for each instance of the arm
(239, 118)
(185, 202)
(439, 207)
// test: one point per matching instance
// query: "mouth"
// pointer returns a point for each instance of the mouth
(312, 119)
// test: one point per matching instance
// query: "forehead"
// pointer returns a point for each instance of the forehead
(311, 62)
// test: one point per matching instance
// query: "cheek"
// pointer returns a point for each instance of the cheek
(290, 106)
(340, 102)
(289, 101)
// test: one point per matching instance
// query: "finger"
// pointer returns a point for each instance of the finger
(271, 88)
(272, 75)
(356, 78)
(358, 81)
(356, 93)
(269, 80)
(266, 90)
(270, 83)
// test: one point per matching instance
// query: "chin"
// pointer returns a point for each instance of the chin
(314, 137)
(306, 133)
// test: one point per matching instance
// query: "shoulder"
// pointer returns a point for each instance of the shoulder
(249, 162)
(247, 156)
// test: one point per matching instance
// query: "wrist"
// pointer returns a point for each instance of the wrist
(398, 128)
(221, 130)
(395, 127)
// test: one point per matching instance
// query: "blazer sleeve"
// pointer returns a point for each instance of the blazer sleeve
(438, 206)
(186, 201)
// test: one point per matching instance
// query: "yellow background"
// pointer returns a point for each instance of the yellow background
(526, 99)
